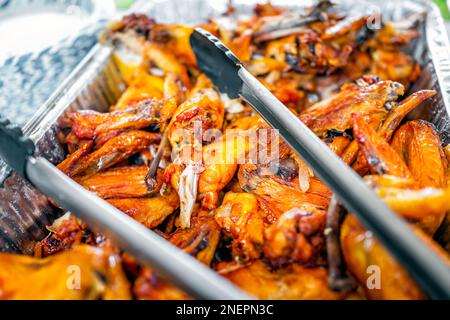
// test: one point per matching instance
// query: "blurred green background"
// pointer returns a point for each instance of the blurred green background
(124, 4)
(444, 9)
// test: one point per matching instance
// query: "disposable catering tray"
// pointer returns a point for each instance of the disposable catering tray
(96, 84)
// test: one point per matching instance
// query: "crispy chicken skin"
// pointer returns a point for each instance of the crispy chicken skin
(277, 195)
(149, 211)
(291, 283)
(149, 286)
(418, 143)
(88, 124)
(66, 232)
(200, 239)
(181, 158)
(362, 250)
(121, 182)
(297, 236)
(241, 217)
(365, 99)
(70, 165)
(114, 151)
(380, 156)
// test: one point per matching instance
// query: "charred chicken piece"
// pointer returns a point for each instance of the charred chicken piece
(114, 151)
(200, 239)
(297, 236)
(65, 233)
(277, 195)
(202, 111)
(392, 121)
(369, 98)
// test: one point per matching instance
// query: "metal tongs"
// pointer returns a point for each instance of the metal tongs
(229, 75)
(146, 246)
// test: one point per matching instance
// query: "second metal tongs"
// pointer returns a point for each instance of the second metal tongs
(146, 246)
(229, 75)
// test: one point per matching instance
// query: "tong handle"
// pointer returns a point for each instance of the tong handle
(15, 148)
(426, 267)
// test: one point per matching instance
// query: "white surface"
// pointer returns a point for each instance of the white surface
(22, 33)
(32, 28)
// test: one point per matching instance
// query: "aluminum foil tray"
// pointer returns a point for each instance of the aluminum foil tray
(96, 84)
(35, 61)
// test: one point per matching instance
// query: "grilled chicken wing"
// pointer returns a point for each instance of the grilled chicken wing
(369, 100)
(166, 46)
(293, 282)
(427, 206)
(419, 145)
(149, 211)
(81, 273)
(380, 156)
(143, 86)
(65, 233)
(114, 151)
(203, 108)
(397, 113)
(71, 164)
(362, 250)
(202, 111)
(200, 239)
(240, 216)
(121, 182)
(297, 236)
(277, 195)
(87, 124)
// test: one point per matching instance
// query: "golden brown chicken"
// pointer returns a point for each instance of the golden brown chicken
(361, 250)
(240, 216)
(149, 211)
(84, 272)
(294, 282)
(211, 177)
(368, 98)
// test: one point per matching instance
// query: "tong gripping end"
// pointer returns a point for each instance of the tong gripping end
(15, 148)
